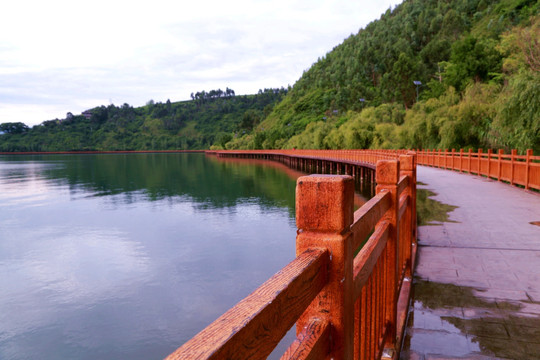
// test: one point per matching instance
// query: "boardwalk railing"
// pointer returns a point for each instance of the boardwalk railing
(523, 170)
(516, 169)
(349, 286)
(359, 156)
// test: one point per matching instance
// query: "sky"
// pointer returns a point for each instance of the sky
(60, 56)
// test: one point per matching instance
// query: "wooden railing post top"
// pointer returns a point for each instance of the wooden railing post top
(387, 172)
(411, 152)
(406, 162)
(324, 203)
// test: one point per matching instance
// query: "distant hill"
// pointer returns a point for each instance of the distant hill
(213, 117)
(476, 65)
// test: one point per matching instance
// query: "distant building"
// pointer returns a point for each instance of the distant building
(87, 114)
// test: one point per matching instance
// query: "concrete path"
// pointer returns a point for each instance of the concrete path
(477, 281)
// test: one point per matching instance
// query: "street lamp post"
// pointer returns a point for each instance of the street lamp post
(418, 84)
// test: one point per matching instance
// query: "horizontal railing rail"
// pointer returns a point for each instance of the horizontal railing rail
(251, 328)
(346, 288)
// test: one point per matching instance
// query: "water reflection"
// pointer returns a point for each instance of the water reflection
(217, 183)
(458, 321)
(117, 256)
(430, 211)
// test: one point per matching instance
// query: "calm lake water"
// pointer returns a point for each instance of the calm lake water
(129, 256)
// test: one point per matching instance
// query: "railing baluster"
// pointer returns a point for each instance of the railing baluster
(407, 166)
(387, 178)
(528, 168)
(499, 171)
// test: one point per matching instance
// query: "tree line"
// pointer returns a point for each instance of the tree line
(202, 96)
(155, 126)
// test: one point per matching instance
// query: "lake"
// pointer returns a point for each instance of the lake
(128, 256)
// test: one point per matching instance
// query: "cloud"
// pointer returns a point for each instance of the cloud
(61, 56)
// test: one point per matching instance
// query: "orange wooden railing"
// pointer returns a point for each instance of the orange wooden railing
(515, 169)
(361, 156)
(349, 286)
(522, 170)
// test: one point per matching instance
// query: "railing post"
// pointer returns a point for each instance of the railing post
(490, 152)
(407, 165)
(387, 178)
(324, 214)
(528, 168)
(512, 159)
(501, 152)
(470, 161)
(460, 160)
(480, 152)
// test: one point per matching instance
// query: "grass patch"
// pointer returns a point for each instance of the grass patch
(430, 211)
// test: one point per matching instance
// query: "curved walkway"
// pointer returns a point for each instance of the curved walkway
(477, 281)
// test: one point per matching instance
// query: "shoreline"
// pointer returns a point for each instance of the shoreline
(99, 152)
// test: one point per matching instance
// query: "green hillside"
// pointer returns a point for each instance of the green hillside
(478, 63)
(210, 117)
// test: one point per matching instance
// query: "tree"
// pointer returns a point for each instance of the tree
(518, 122)
(222, 138)
(250, 119)
(14, 127)
(399, 83)
(472, 58)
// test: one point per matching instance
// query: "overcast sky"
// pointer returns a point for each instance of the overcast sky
(64, 55)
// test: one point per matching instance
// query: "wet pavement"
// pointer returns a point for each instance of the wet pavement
(477, 281)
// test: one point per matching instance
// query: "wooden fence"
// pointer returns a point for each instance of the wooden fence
(348, 289)
(522, 170)
(359, 156)
(516, 169)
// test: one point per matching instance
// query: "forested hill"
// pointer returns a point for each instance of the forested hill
(476, 65)
(214, 116)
